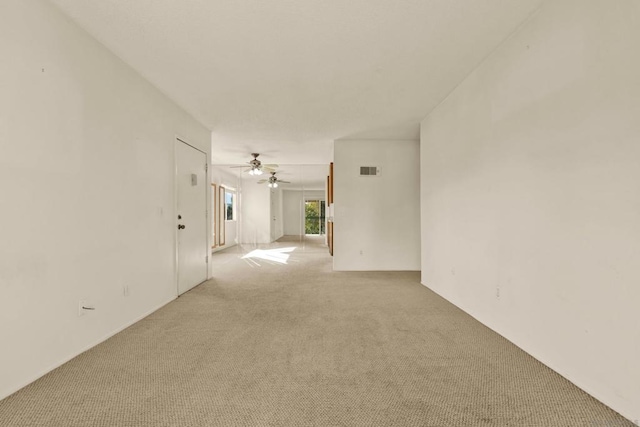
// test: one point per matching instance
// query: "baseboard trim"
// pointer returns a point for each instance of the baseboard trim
(588, 390)
(89, 347)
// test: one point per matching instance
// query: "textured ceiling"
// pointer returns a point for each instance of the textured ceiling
(287, 77)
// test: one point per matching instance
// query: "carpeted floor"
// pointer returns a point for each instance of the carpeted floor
(278, 339)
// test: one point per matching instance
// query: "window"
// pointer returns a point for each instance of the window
(229, 201)
(314, 213)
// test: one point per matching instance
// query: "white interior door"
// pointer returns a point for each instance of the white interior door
(191, 224)
(272, 216)
(276, 214)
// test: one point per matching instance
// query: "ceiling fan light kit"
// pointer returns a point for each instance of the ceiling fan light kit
(272, 181)
(255, 168)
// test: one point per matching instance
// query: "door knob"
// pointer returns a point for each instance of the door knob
(180, 227)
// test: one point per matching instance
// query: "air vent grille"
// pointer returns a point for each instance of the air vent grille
(369, 171)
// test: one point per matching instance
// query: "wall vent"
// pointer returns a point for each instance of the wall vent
(369, 171)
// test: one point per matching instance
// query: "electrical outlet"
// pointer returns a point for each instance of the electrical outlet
(125, 290)
(498, 292)
(360, 251)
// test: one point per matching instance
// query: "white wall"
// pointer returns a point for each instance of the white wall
(314, 195)
(531, 192)
(376, 219)
(293, 211)
(255, 225)
(231, 234)
(223, 177)
(87, 185)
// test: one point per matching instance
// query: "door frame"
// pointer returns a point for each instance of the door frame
(222, 211)
(179, 139)
(214, 216)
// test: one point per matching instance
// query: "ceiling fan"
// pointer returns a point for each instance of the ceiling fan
(273, 180)
(256, 167)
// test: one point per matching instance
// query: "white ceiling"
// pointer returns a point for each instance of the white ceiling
(287, 77)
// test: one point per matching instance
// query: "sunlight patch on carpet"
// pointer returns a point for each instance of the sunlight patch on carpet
(279, 255)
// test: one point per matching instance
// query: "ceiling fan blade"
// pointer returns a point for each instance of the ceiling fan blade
(262, 181)
(284, 182)
(246, 166)
(270, 165)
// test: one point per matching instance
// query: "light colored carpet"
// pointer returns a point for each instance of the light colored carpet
(273, 344)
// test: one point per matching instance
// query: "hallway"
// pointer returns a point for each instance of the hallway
(277, 338)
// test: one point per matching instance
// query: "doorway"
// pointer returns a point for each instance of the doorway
(191, 211)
